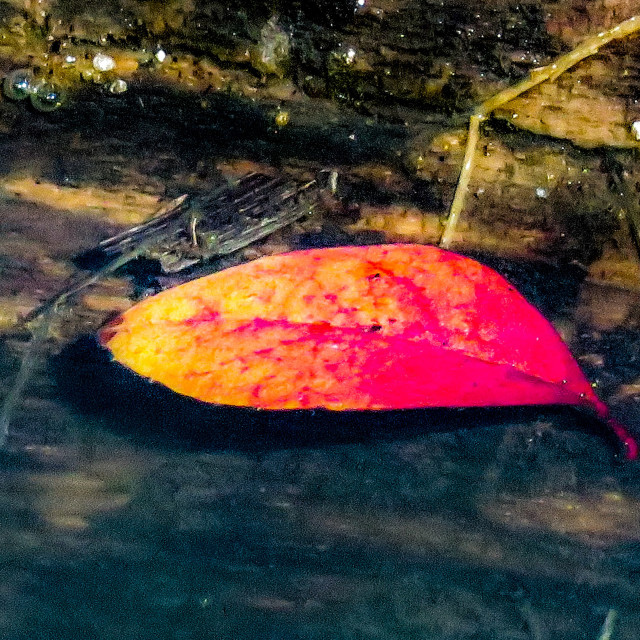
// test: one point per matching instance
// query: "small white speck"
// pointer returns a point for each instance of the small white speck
(635, 129)
(70, 59)
(541, 192)
(352, 136)
(160, 55)
(351, 55)
(103, 62)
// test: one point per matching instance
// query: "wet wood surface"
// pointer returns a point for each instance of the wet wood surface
(117, 523)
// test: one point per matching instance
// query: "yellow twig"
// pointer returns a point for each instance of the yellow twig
(463, 181)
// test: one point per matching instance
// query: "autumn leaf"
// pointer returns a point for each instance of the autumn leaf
(351, 328)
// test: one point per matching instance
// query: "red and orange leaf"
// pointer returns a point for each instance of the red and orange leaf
(377, 327)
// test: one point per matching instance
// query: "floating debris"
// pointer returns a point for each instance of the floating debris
(271, 55)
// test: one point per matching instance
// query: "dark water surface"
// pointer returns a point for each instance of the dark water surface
(113, 525)
(520, 530)
(117, 524)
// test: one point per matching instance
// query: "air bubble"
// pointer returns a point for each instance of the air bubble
(103, 62)
(18, 85)
(46, 97)
(118, 86)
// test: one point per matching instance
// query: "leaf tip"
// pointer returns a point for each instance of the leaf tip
(629, 444)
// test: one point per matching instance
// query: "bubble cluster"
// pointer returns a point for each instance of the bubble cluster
(44, 96)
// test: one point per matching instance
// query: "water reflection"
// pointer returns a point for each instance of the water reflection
(126, 517)
(104, 535)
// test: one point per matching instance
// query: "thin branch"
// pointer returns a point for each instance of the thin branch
(463, 182)
(607, 626)
(27, 364)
